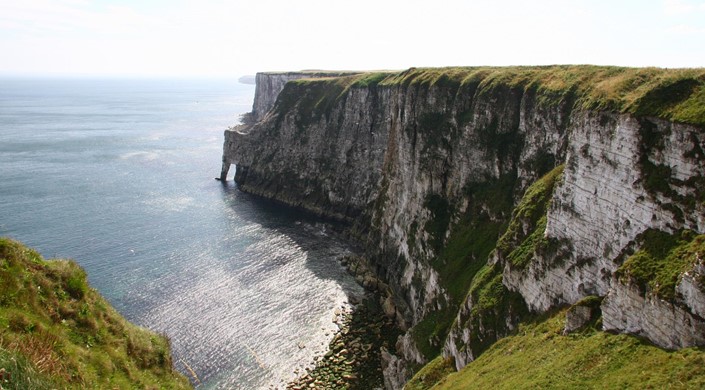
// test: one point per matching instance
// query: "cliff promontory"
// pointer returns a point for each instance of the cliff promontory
(488, 196)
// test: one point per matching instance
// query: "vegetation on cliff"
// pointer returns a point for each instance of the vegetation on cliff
(483, 149)
(525, 233)
(673, 94)
(661, 260)
(539, 355)
(463, 256)
(58, 332)
(463, 268)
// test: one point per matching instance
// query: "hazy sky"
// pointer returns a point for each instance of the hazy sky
(228, 38)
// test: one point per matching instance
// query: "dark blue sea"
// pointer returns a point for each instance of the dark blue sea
(118, 175)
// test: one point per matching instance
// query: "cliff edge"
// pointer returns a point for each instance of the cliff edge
(58, 333)
(485, 196)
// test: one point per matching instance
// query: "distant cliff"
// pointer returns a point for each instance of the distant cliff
(484, 195)
(269, 85)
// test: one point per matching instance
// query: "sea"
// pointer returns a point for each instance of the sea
(118, 174)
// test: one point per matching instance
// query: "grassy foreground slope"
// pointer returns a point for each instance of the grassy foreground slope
(57, 332)
(539, 356)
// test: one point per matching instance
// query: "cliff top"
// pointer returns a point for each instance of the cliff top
(315, 73)
(672, 94)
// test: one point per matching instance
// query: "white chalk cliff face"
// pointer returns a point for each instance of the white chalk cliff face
(410, 164)
(318, 166)
(600, 207)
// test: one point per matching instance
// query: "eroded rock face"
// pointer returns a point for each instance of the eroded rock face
(610, 193)
(582, 314)
(404, 162)
(691, 287)
(604, 201)
(269, 85)
(628, 309)
(396, 374)
(577, 317)
(319, 168)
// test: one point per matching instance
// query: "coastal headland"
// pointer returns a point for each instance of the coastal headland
(491, 198)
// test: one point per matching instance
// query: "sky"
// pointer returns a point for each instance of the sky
(184, 38)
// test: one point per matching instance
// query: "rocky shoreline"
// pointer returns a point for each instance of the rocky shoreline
(354, 360)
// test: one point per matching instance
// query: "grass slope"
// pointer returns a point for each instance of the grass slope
(662, 259)
(57, 332)
(540, 356)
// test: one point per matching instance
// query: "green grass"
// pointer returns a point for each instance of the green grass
(493, 306)
(433, 372)
(55, 329)
(517, 245)
(487, 289)
(466, 252)
(430, 333)
(662, 259)
(370, 79)
(463, 270)
(475, 234)
(464, 255)
(539, 356)
(16, 372)
(674, 94)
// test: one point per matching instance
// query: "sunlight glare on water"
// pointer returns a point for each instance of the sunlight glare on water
(118, 175)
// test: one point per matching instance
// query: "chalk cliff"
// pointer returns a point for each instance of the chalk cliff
(487, 194)
(270, 84)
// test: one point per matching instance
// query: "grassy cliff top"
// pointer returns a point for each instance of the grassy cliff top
(57, 332)
(672, 94)
(314, 73)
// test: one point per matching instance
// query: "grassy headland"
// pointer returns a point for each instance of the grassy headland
(58, 332)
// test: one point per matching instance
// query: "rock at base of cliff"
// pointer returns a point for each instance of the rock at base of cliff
(627, 309)
(396, 374)
(577, 318)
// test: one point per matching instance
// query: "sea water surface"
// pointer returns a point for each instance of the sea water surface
(118, 175)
